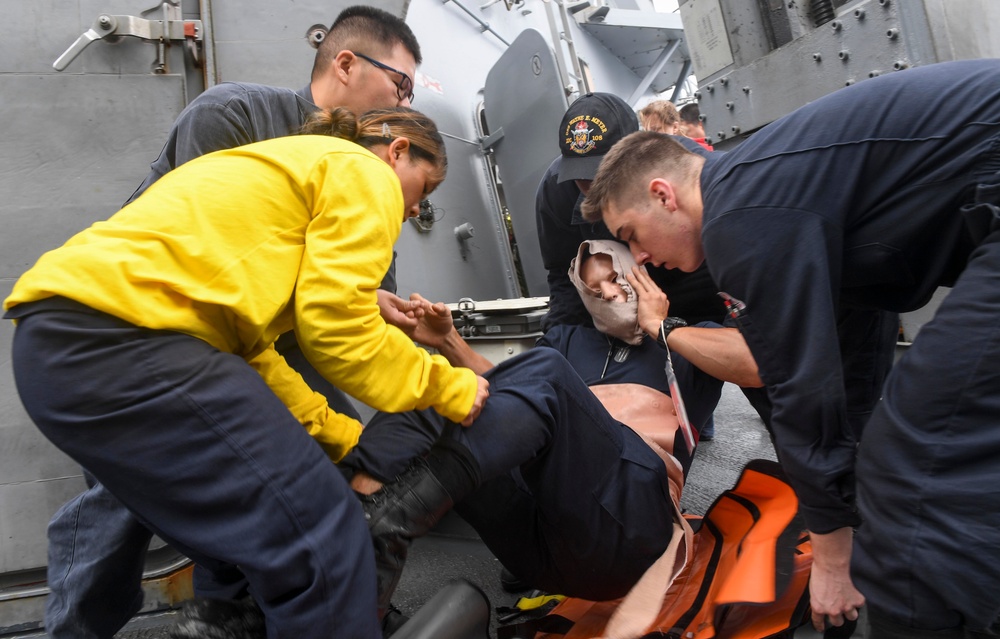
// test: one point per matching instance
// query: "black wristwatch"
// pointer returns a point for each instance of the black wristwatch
(669, 324)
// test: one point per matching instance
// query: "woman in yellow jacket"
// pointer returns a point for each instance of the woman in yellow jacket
(144, 350)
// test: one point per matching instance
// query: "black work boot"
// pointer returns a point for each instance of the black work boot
(203, 618)
(512, 583)
(393, 620)
(397, 514)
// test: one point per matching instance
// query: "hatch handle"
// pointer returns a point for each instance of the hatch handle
(157, 31)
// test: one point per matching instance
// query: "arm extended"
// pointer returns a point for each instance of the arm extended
(721, 352)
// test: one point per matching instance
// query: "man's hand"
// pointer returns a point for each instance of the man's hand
(831, 591)
(653, 303)
(482, 393)
(401, 313)
(435, 323)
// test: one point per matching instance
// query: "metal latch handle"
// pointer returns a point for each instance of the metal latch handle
(149, 30)
(104, 25)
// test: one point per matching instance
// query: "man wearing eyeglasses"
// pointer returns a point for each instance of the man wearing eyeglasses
(402, 80)
(96, 548)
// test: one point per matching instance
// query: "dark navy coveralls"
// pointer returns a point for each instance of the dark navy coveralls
(571, 500)
(870, 198)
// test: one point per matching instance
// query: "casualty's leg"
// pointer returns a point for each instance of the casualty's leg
(391, 441)
(409, 506)
(542, 418)
(586, 513)
(403, 510)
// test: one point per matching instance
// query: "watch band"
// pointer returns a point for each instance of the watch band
(668, 324)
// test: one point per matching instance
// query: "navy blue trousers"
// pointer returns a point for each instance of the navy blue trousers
(928, 469)
(572, 500)
(201, 452)
(97, 549)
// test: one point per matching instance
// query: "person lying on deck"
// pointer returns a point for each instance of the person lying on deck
(572, 471)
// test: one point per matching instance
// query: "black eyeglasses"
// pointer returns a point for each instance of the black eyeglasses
(404, 88)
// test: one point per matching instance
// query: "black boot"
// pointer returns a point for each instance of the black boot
(202, 618)
(393, 620)
(397, 514)
(512, 583)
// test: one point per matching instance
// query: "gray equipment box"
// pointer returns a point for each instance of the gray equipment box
(500, 318)
(500, 329)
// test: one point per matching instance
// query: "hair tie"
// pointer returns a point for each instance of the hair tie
(385, 130)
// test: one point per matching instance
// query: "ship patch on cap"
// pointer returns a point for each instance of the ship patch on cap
(589, 128)
(580, 134)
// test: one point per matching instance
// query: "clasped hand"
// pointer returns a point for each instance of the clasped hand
(431, 324)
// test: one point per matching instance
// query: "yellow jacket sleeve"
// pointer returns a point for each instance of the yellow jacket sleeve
(335, 432)
(348, 248)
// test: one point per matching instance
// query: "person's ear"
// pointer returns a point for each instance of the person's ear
(397, 148)
(662, 191)
(343, 65)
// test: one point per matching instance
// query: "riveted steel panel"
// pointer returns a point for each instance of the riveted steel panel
(863, 40)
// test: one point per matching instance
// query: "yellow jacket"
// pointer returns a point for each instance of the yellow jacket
(239, 246)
